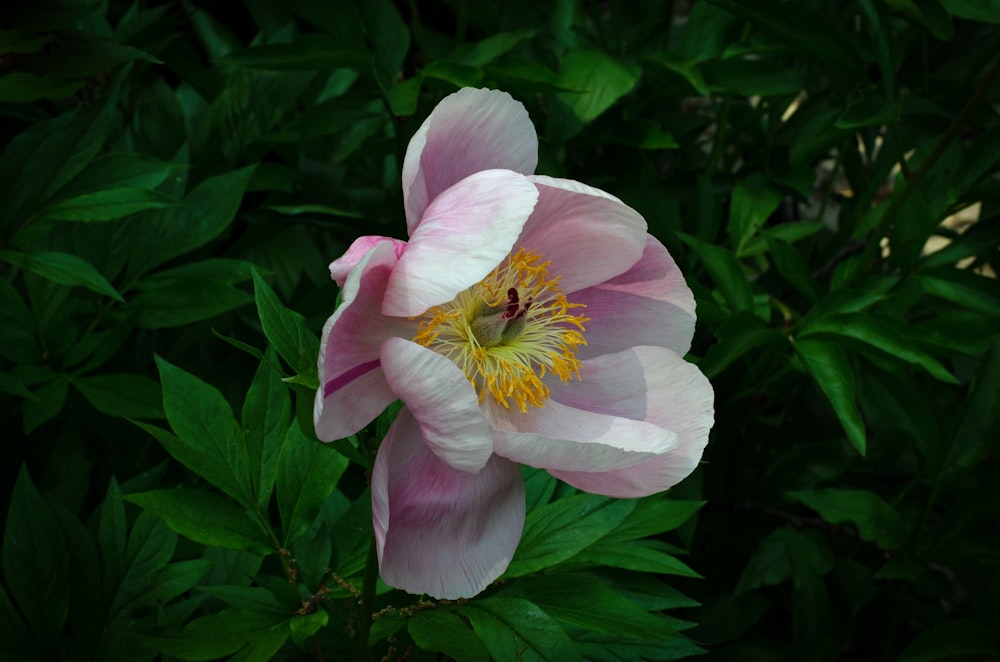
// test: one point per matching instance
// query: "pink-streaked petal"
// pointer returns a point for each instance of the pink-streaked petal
(442, 400)
(679, 398)
(465, 233)
(557, 436)
(587, 234)
(353, 389)
(469, 131)
(340, 267)
(441, 531)
(650, 304)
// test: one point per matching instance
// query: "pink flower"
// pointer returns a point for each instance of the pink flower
(527, 320)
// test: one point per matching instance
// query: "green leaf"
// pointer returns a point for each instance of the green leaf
(876, 520)
(515, 629)
(64, 269)
(829, 367)
(641, 556)
(307, 472)
(304, 53)
(46, 405)
(120, 170)
(126, 395)
(979, 417)
(287, 331)
(737, 336)
(653, 515)
(752, 204)
(36, 563)
(601, 79)
(106, 205)
(562, 529)
(208, 441)
(243, 634)
(180, 302)
(443, 631)
(953, 640)
(687, 69)
(984, 11)
(792, 266)
(303, 627)
(725, 270)
(961, 287)
(21, 87)
(266, 413)
(14, 636)
(205, 518)
(886, 335)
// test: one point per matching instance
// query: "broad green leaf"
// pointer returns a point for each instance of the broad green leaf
(14, 636)
(459, 75)
(179, 302)
(304, 53)
(445, 632)
(737, 336)
(687, 69)
(792, 266)
(46, 405)
(208, 441)
(388, 35)
(287, 331)
(584, 601)
(601, 79)
(961, 287)
(516, 629)
(985, 11)
(127, 395)
(928, 13)
(653, 515)
(642, 556)
(876, 520)
(21, 87)
(120, 170)
(974, 435)
(751, 76)
(323, 210)
(205, 518)
(243, 634)
(752, 204)
(884, 334)
(560, 530)
(486, 51)
(64, 269)
(772, 563)
(303, 627)
(36, 563)
(307, 472)
(829, 367)
(150, 547)
(106, 205)
(726, 271)
(957, 639)
(266, 413)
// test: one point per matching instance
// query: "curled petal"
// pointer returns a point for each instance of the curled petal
(438, 530)
(466, 231)
(340, 267)
(650, 304)
(587, 234)
(441, 399)
(678, 397)
(353, 389)
(561, 437)
(468, 131)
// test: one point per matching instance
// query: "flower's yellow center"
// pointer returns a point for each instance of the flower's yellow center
(508, 331)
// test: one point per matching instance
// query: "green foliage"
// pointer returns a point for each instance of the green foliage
(175, 179)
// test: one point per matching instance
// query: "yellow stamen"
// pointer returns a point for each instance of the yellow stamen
(524, 330)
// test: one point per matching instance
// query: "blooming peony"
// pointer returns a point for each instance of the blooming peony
(527, 320)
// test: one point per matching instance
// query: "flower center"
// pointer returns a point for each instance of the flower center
(508, 331)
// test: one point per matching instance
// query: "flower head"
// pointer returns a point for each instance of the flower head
(526, 320)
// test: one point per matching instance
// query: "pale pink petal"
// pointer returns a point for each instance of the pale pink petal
(650, 304)
(557, 436)
(465, 233)
(442, 400)
(441, 531)
(469, 131)
(353, 389)
(340, 267)
(678, 398)
(587, 234)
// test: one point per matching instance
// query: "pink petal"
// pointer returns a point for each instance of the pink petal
(469, 131)
(465, 233)
(340, 267)
(557, 436)
(678, 398)
(650, 304)
(589, 235)
(441, 531)
(353, 389)
(443, 402)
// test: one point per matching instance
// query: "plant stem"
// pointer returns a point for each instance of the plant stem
(367, 602)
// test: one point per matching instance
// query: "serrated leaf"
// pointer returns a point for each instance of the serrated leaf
(829, 367)
(205, 518)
